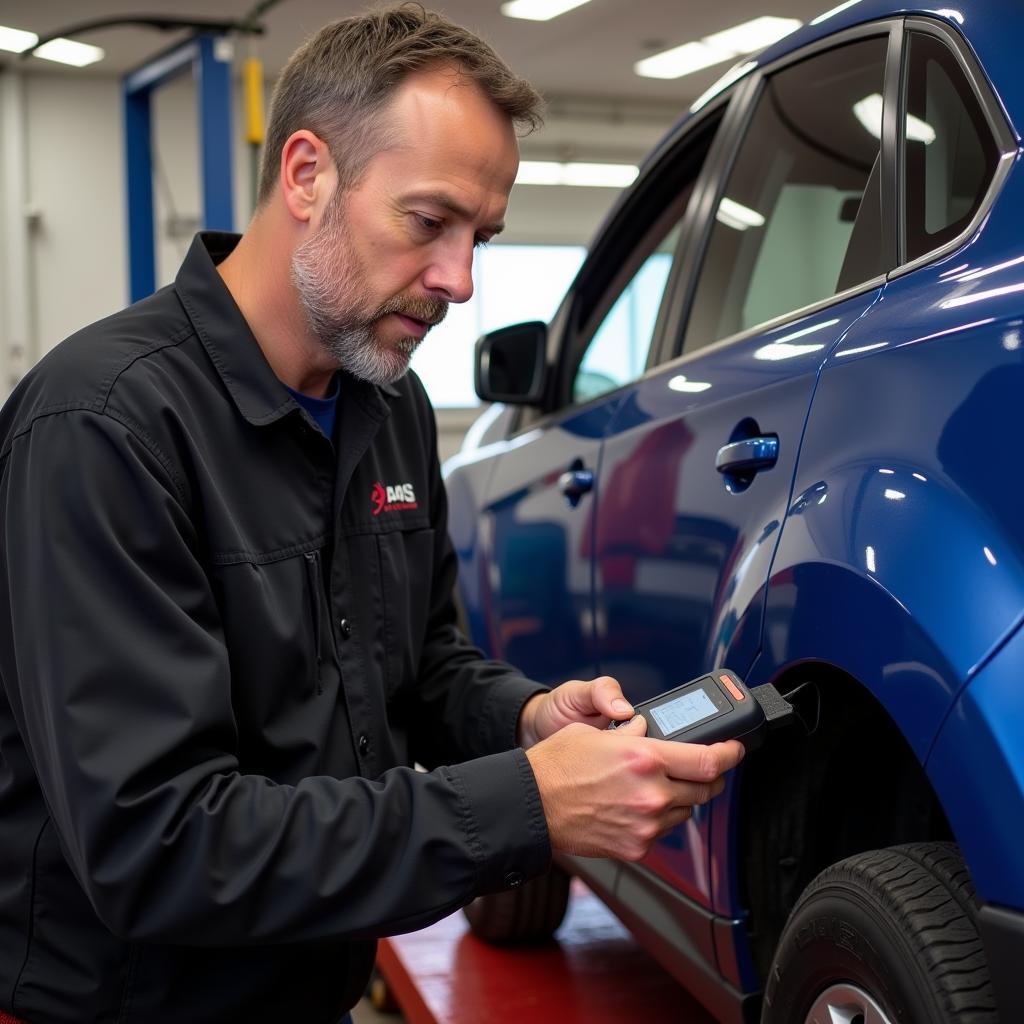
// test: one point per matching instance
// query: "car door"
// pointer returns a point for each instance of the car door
(699, 454)
(533, 538)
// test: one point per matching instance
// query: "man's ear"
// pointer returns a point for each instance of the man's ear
(308, 175)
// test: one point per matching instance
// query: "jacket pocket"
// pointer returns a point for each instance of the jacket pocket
(405, 573)
(315, 589)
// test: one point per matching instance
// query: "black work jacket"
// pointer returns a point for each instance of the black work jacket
(223, 639)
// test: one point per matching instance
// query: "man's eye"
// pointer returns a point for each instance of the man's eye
(428, 223)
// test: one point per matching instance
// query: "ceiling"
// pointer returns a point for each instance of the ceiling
(581, 61)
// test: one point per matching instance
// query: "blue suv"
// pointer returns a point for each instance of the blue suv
(771, 428)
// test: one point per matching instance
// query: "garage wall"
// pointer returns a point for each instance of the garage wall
(74, 201)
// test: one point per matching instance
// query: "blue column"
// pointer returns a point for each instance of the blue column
(213, 92)
(139, 178)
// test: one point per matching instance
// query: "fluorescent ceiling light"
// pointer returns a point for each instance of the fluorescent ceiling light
(68, 51)
(539, 172)
(804, 331)
(539, 10)
(753, 35)
(732, 75)
(975, 274)
(869, 112)
(894, 495)
(729, 43)
(782, 349)
(680, 383)
(861, 348)
(992, 293)
(736, 215)
(919, 131)
(682, 60)
(835, 10)
(546, 172)
(779, 350)
(606, 175)
(15, 40)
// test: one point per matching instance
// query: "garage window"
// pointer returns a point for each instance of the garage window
(800, 217)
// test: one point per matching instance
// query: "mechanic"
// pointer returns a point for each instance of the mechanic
(227, 623)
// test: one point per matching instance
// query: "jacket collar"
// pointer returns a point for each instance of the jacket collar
(259, 396)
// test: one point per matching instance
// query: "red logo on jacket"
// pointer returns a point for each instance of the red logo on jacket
(395, 498)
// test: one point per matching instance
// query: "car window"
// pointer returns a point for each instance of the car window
(800, 217)
(950, 152)
(617, 353)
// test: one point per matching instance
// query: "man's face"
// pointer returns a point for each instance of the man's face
(391, 253)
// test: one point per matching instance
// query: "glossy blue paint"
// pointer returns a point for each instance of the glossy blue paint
(681, 550)
(527, 549)
(907, 445)
(977, 767)
(885, 540)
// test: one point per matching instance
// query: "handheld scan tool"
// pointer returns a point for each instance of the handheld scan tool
(714, 707)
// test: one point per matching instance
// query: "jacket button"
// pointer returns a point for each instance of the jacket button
(345, 627)
(514, 879)
(364, 745)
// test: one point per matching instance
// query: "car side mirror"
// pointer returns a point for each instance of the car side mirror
(510, 364)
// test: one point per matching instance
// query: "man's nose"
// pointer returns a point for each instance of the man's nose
(450, 275)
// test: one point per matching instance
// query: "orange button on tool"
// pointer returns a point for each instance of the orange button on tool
(732, 687)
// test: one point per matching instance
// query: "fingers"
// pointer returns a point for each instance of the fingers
(695, 794)
(608, 699)
(695, 762)
(636, 726)
(613, 794)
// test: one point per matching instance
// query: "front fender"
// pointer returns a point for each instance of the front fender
(889, 573)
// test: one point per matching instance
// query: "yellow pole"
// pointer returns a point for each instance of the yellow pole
(252, 80)
(253, 74)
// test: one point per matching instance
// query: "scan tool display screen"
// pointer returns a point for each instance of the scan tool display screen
(684, 711)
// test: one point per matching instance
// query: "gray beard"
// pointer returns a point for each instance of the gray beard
(348, 336)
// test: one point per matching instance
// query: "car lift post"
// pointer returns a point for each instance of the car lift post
(209, 58)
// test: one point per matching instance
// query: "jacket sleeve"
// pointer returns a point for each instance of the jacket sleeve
(115, 665)
(467, 703)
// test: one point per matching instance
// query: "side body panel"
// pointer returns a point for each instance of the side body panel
(682, 551)
(902, 559)
(525, 574)
(983, 738)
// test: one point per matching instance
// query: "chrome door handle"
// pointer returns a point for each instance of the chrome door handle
(748, 456)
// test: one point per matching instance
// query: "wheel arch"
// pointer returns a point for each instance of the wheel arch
(845, 782)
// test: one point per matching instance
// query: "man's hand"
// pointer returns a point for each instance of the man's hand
(594, 703)
(612, 794)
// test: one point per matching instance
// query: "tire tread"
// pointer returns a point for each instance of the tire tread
(529, 914)
(926, 888)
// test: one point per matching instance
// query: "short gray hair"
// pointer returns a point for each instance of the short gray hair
(336, 82)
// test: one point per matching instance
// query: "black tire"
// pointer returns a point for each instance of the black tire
(531, 913)
(894, 927)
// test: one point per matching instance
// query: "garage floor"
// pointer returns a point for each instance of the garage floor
(593, 973)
